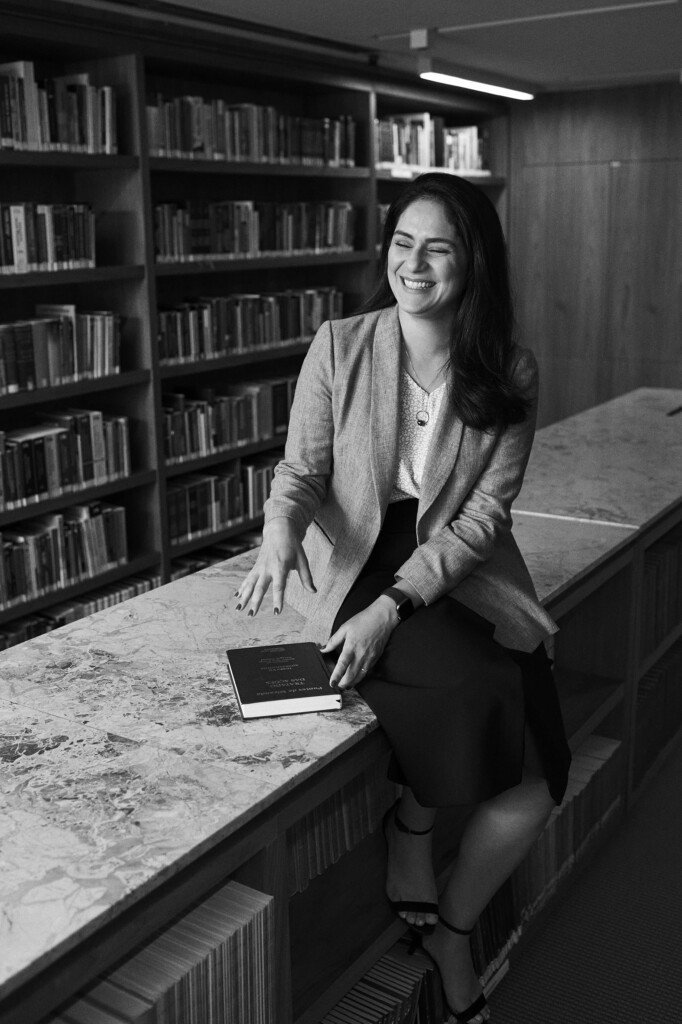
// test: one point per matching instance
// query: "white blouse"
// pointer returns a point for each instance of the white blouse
(413, 440)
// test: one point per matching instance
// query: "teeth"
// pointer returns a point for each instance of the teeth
(417, 285)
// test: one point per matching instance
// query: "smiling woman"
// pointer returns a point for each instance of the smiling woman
(427, 268)
(389, 525)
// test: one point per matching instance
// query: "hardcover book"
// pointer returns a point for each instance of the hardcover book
(281, 679)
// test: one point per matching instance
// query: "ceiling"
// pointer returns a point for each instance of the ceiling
(546, 45)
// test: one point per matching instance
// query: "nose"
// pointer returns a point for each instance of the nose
(415, 260)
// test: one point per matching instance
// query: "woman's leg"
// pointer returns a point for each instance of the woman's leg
(496, 839)
(409, 874)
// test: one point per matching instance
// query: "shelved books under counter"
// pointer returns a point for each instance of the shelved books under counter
(214, 964)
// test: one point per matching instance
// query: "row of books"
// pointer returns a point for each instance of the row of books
(47, 553)
(63, 113)
(30, 626)
(403, 987)
(195, 127)
(592, 798)
(46, 236)
(662, 589)
(422, 140)
(337, 826)
(208, 422)
(59, 345)
(244, 229)
(214, 965)
(659, 709)
(208, 328)
(201, 504)
(66, 452)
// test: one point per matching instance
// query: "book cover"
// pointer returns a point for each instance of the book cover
(281, 679)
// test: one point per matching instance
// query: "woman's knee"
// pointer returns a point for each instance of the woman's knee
(523, 810)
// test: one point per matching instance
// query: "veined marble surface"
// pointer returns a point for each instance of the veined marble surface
(123, 756)
(559, 552)
(620, 462)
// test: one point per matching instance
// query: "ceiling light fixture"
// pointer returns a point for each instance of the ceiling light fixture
(466, 83)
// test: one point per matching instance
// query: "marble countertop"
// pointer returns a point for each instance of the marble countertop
(620, 462)
(123, 756)
(122, 752)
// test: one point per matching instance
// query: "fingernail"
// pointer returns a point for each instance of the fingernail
(277, 611)
(236, 593)
(314, 590)
(250, 611)
(239, 607)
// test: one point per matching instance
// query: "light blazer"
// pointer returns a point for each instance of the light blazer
(338, 472)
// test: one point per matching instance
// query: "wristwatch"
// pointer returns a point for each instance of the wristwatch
(403, 604)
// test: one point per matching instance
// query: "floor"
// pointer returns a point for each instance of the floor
(612, 951)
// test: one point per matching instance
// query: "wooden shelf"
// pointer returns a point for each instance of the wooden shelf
(585, 702)
(215, 265)
(653, 769)
(169, 371)
(136, 565)
(71, 161)
(217, 458)
(185, 547)
(92, 275)
(402, 174)
(650, 660)
(39, 396)
(202, 166)
(82, 497)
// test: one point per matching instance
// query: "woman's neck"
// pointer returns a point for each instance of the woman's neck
(426, 340)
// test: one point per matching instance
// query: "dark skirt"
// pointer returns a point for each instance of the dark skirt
(464, 715)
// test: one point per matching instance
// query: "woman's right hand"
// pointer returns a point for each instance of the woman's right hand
(281, 552)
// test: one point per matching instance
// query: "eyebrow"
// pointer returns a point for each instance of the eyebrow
(448, 241)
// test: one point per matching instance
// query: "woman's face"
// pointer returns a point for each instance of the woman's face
(427, 264)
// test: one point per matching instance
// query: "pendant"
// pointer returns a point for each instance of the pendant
(422, 417)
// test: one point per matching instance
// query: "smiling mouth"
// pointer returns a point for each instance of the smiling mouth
(417, 286)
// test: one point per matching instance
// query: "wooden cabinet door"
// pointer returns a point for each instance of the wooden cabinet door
(560, 262)
(644, 343)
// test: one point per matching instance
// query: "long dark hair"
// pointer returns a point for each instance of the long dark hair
(481, 345)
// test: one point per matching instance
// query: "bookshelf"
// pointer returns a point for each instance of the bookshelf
(231, 191)
(294, 848)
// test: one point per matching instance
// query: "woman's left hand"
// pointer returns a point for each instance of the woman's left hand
(362, 640)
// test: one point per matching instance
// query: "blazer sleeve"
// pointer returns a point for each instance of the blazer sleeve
(300, 480)
(453, 552)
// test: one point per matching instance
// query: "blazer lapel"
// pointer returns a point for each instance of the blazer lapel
(384, 410)
(442, 455)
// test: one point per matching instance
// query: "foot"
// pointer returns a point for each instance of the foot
(409, 876)
(451, 953)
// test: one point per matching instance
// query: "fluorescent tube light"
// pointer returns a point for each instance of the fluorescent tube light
(465, 83)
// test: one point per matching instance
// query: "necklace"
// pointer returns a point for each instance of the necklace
(423, 415)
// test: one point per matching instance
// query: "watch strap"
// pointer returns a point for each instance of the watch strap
(404, 605)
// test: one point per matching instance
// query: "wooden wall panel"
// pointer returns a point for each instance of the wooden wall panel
(596, 222)
(645, 294)
(635, 123)
(559, 253)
